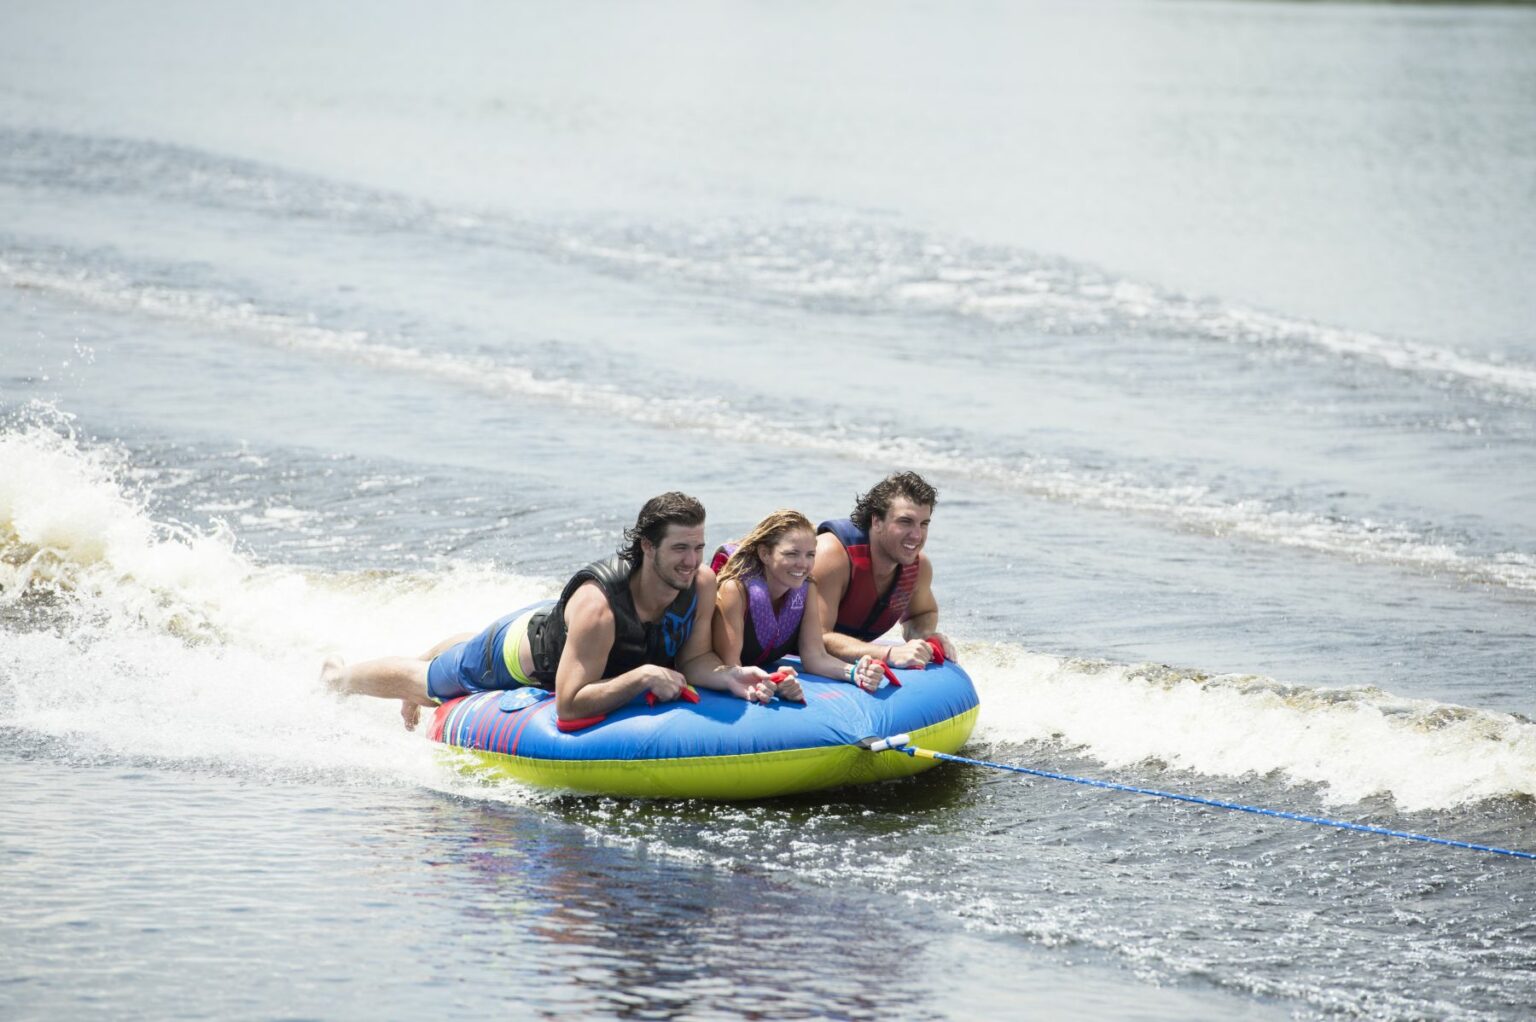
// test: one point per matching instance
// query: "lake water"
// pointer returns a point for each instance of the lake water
(343, 327)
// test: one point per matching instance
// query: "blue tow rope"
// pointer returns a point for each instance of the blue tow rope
(900, 743)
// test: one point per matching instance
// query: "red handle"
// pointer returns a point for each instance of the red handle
(687, 694)
(579, 723)
(938, 649)
(780, 675)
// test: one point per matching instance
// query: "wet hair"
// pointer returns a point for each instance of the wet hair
(651, 524)
(877, 502)
(746, 560)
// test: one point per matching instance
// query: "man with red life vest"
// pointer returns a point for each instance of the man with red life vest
(871, 574)
(638, 622)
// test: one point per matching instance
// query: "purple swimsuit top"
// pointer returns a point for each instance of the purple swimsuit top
(773, 630)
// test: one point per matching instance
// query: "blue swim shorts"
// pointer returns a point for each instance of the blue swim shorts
(487, 661)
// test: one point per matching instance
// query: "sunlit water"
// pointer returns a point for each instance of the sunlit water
(343, 329)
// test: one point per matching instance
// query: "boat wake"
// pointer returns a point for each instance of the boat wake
(838, 261)
(130, 636)
(1191, 506)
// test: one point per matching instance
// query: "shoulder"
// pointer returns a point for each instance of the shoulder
(831, 566)
(731, 593)
(706, 583)
(830, 547)
(922, 582)
(588, 607)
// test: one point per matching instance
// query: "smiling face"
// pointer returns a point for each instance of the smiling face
(675, 560)
(787, 560)
(900, 535)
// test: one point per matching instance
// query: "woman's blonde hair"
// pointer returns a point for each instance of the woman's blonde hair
(744, 560)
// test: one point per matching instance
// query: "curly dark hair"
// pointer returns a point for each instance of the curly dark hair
(665, 509)
(877, 502)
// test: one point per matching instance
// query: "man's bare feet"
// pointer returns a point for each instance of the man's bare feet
(410, 713)
(333, 675)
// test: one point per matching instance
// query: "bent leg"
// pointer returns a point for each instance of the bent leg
(446, 645)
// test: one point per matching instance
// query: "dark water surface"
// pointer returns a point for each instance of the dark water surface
(344, 328)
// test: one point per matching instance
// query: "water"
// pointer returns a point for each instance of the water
(327, 328)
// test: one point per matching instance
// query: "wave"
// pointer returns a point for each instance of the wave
(134, 637)
(1353, 743)
(871, 267)
(1196, 508)
(836, 260)
(130, 636)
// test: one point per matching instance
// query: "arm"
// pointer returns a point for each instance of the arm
(711, 665)
(580, 688)
(831, 573)
(728, 627)
(814, 656)
(922, 620)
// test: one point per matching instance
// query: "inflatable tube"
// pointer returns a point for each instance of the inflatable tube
(719, 748)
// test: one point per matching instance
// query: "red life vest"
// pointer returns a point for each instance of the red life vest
(864, 613)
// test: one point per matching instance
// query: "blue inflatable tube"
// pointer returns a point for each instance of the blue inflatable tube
(719, 748)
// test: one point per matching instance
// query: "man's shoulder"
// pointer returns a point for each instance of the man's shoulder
(828, 541)
(588, 606)
(832, 567)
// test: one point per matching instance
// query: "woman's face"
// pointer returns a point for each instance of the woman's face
(787, 561)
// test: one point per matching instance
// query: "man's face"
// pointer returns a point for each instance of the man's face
(676, 559)
(900, 535)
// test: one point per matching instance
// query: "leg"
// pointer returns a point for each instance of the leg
(393, 677)
(390, 677)
(447, 644)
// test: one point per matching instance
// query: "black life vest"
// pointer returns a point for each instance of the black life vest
(635, 642)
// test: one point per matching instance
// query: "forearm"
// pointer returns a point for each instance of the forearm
(826, 665)
(707, 670)
(597, 697)
(920, 626)
(849, 649)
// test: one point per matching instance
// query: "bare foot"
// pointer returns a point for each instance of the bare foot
(410, 713)
(333, 675)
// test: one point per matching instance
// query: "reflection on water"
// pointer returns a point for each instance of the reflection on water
(243, 908)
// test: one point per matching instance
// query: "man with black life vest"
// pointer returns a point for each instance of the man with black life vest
(637, 622)
(870, 575)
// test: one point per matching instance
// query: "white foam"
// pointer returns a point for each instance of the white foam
(171, 644)
(1354, 743)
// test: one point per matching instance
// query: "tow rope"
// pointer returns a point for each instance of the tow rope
(902, 743)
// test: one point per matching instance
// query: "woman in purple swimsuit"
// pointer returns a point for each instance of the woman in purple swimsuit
(763, 609)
